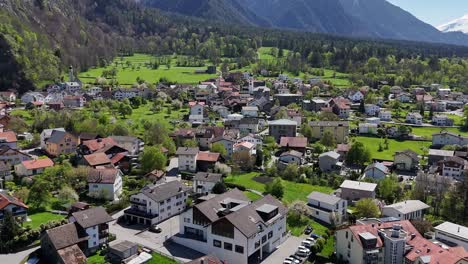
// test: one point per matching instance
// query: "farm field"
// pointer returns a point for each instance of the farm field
(292, 191)
(372, 144)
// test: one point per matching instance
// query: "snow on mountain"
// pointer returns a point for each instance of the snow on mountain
(460, 24)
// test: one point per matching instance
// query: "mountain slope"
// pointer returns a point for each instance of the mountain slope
(357, 18)
(457, 25)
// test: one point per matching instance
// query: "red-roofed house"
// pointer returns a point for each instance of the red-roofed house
(33, 167)
(207, 160)
(91, 146)
(105, 183)
(392, 242)
(245, 146)
(96, 159)
(121, 161)
(294, 143)
(12, 205)
(8, 138)
(341, 107)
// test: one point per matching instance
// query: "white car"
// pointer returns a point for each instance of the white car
(287, 262)
(311, 240)
(306, 244)
(304, 248)
(302, 253)
(293, 260)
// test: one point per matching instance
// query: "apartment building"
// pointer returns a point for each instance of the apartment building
(327, 208)
(340, 129)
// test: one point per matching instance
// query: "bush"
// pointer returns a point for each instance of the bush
(233, 185)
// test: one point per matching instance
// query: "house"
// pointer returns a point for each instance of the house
(119, 251)
(246, 147)
(329, 161)
(442, 92)
(72, 87)
(121, 94)
(340, 129)
(403, 97)
(12, 157)
(64, 244)
(197, 112)
(13, 205)
(105, 183)
(290, 157)
(406, 160)
(376, 171)
(282, 128)
(227, 142)
(187, 158)
(396, 90)
(357, 190)
(133, 145)
(294, 143)
(207, 160)
(223, 111)
(436, 155)
(287, 98)
(371, 109)
(406, 210)
(234, 229)
(74, 101)
(373, 120)
(249, 125)
(356, 96)
(385, 115)
(5, 173)
(343, 150)
(414, 118)
(317, 105)
(327, 208)
(94, 145)
(96, 160)
(452, 234)
(249, 111)
(203, 182)
(61, 143)
(368, 128)
(447, 138)
(424, 98)
(8, 138)
(32, 97)
(254, 139)
(295, 115)
(341, 107)
(94, 221)
(33, 167)
(46, 133)
(8, 96)
(439, 106)
(442, 120)
(156, 203)
(156, 177)
(391, 242)
(454, 167)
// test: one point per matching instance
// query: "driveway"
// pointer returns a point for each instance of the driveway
(286, 249)
(155, 241)
(16, 258)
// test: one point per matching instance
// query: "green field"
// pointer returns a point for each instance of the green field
(373, 145)
(292, 191)
(41, 218)
(252, 196)
(128, 75)
(157, 259)
(428, 131)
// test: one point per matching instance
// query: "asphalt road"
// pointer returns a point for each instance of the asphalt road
(16, 258)
(286, 249)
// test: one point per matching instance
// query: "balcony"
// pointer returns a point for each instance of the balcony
(143, 214)
(137, 202)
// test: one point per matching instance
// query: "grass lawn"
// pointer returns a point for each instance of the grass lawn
(292, 191)
(252, 196)
(23, 114)
(127, 75)
(41, 218)
(373, 145)
(157, 259)
(428, 131)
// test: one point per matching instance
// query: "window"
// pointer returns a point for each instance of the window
(216, 243)
(264, 239)
(346, 234)
(227, 246)
(270, 234)
(240, 249)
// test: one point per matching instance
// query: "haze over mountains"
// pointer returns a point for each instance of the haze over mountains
(357, 18)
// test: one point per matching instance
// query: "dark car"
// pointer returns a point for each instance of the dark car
(308, 230)
(315, 236)
(155, 229)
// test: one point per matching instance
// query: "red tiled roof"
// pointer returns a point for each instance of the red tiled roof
(10, 136)
(118, 157)
(6, 199)
(37, 164)
(97, 159)
(96, 144)
(102, 175)
(208, 156)
(245, 144)
(195, 103)
(293, 142)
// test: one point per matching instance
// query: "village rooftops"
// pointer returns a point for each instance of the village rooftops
(164, 191)
(8, 136)
(92, 217)
(408, 206)
(292, 153)
(207, 177)
(441, 152)
(103, 175)
(293, 142)
(97, 159)
(282, 122)
(454, 230)
(208, 156)
(357, 185)
(66, 235)
(187, 151)
(37, 164)
(331, 154)
(6, 199)
(413, 155)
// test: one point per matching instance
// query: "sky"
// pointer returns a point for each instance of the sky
(434, 12)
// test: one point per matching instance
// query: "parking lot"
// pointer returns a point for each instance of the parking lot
(286, 249)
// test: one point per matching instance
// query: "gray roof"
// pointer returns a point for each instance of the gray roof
(122, 246)
(66, 235)
(187, 151)
(332, 154)
(357, 185)
(323, 197)
(329, 123)
(210, 207)
(453, 229)
(441, 152)
(56, 136)
(92, 216)
(164, 191)
(292, 153)
(408, 206)
(283, 122)
(378, 166)
(208, 177)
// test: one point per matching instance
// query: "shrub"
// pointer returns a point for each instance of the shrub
(233, 185)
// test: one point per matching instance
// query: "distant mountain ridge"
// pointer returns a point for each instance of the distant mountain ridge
(457, 25)
(356, 18)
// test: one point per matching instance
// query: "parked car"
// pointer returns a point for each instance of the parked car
(306, 244)
(311, 240)
(293, 260)
(155, 229)
(308, 230)
(302, 253)
(315, 236)
(287, 262)
(296, 257)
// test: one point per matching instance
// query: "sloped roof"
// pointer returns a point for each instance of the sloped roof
(293, 142)
(211, 206)
(65, 236)
(187, 151)
(408, 206)
(96, 144)
(357, 185)
(92, 216)
(104, 175)
(323, 197)
(97, 159)
(208, 156)
(37, 164)
(6, 199)
(164, 191)
(9, 136)
(207, 177)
